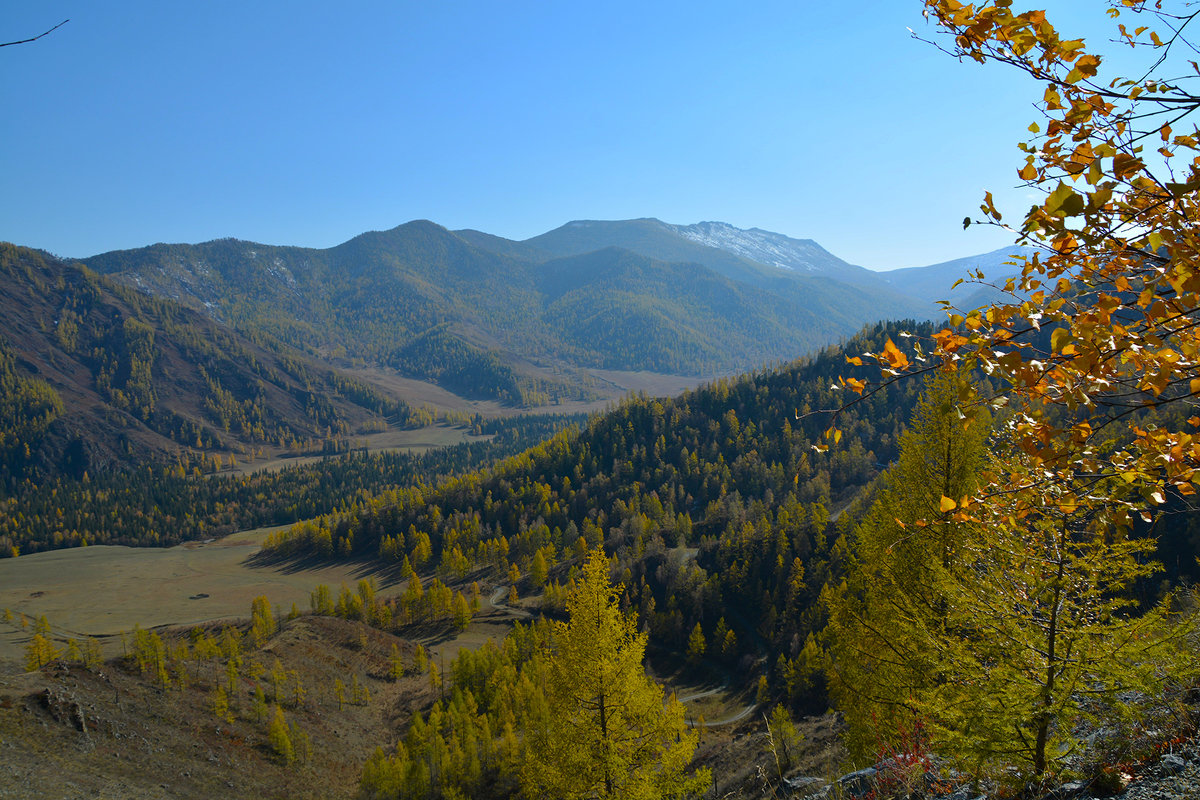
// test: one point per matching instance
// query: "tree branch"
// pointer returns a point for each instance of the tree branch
(40, 35)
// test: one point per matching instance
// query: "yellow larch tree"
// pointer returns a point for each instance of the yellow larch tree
(609, 733)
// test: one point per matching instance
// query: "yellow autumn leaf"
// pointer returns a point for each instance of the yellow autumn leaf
(1059, 338)
(893, 356)
(947, 504)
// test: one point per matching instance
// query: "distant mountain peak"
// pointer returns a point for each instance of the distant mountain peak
(756, 244)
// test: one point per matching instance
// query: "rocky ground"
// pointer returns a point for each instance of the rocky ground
(1170, 775)
(68, 732)
(109, 732)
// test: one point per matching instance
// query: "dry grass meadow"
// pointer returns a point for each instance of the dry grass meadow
(104, 590)
(416, 441)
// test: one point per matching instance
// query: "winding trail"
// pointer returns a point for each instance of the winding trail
(737, 717)
(698, 695)
(497, 597)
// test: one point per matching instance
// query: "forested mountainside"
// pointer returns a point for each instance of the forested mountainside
(94, 375)
(715, 503)
(516, 321)
(731, 539)
(622, 310)
(162, 504)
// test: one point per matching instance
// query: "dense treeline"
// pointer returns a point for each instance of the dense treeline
(728, 468)
(161, 505)
(27, 408)
(555, 710)
(468, 745)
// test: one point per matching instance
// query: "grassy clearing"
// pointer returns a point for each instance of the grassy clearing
(612, 386)
(103, 590)
(418, 441)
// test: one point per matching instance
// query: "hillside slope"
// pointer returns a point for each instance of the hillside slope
(728, 469)
(93, 374)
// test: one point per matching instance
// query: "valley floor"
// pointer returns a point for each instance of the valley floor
(101, 590)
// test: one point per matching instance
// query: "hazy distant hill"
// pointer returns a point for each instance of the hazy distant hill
(749, 255)
(617, 308)
(497, 305)
(763, 258)
(651, 238)
(370, 299)
(934, 281)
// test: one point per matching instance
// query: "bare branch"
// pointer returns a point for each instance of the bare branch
(40, 35)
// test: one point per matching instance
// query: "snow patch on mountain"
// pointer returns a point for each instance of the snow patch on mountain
(765, 247)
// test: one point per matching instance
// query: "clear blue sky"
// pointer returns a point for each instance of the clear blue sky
(307, 123)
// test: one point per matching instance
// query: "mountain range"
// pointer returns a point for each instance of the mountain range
(455, 306)
(230, 343)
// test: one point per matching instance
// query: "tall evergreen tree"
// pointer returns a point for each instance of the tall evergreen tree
(996, 628)
(608, 733)
(280, 738)
(1043, 633)
(894, 597)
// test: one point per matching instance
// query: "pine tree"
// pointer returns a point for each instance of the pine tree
(93, 656)
(395, 664)
(783, 739)
(262, 620)
(280, 737)
(39, 652)
(729, 645)
(1043, 633)
(258, 707)
(301, 744)
(219, 701)
(895, 588)
(696, 644)
(608, 733)
(320, 600)
(461, 612)
(996, 628)
(539, 571)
